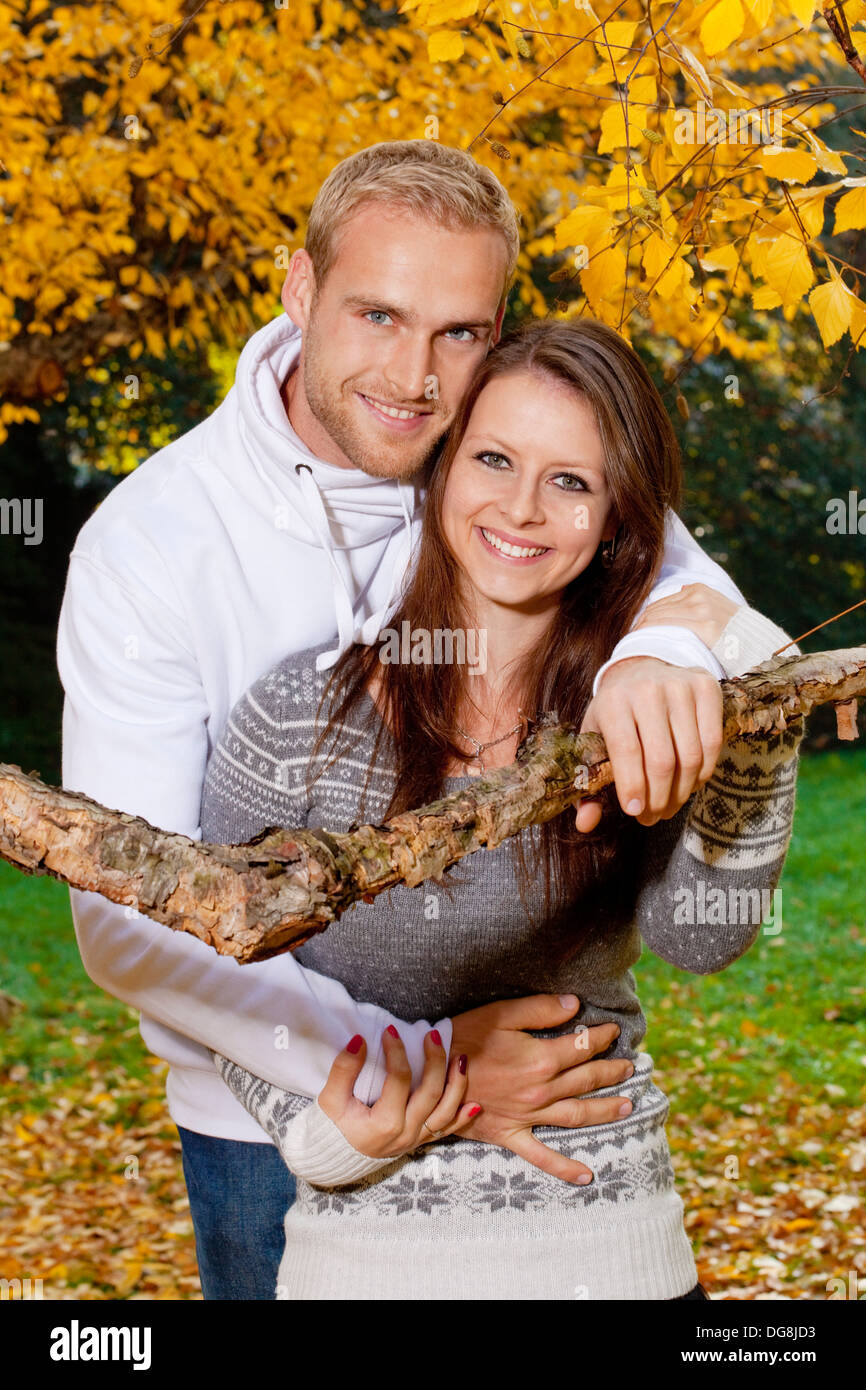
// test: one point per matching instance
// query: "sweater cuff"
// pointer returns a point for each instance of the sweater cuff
(318, 1151)
(748, 639)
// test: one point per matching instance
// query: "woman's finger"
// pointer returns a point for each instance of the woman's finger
(430, 1089)
(339, 1088)
(389, 1111)
(441, 1118)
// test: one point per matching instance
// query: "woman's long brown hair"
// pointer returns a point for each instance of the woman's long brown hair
(422, 701)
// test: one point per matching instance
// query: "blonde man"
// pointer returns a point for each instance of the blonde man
(283, 520)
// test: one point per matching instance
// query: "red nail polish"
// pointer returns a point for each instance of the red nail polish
(461, 1065)
(392, 1030)
(354, 1045)
(436, 1036)
(476, 1110)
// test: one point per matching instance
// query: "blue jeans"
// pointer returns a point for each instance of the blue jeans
(239, 1194)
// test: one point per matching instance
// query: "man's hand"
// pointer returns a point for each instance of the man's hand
(662, 726)
(703, 610)
(521, 1081)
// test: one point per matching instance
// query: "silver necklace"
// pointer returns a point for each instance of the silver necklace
(482, 747)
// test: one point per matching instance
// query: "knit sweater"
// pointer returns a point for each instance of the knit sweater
(460, 1218)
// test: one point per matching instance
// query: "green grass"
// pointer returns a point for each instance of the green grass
(66, 1017)
(699, 1026)
(803, 991)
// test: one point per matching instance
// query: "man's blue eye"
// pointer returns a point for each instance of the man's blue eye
(380, 312)
(472, 336)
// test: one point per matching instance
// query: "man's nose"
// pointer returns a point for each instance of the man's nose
(410, 373)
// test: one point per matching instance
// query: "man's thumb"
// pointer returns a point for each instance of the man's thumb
(539, 1011)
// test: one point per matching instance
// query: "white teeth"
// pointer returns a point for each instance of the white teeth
(389, 410)
(520, 552)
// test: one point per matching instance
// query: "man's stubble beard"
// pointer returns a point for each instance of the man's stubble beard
(400, 462)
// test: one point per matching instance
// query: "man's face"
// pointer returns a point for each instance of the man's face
(405, 314)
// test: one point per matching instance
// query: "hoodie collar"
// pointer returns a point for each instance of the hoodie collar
(338, 509)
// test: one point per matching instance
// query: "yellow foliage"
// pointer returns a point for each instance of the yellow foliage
(169, 191)
(851, 209)
(722, 26)
(832, 304)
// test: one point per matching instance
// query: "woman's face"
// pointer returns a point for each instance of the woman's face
(526, 504)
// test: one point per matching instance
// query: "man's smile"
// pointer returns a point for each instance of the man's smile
(395, 417)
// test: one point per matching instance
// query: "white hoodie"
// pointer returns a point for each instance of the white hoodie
(200, 571)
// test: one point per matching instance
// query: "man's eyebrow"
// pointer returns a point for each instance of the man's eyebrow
(373, 302)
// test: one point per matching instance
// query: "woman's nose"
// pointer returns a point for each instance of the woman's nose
(521, 505)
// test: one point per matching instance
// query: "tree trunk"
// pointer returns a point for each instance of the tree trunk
(256, 900)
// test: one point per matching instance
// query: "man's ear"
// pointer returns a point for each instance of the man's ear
(299, 288)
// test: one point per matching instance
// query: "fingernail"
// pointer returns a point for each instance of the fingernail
(354, 1044)
(634, 807)
(584, 1179)
(630, 1071)
(392, 1030)
(625, 1109)
(476, 1110)
(461, 1065)
(436, 1036)
(568, 1001)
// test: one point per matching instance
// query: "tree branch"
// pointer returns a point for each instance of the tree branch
(837, 23)
(257, 900)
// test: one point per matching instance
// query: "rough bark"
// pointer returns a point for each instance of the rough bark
(256, 900)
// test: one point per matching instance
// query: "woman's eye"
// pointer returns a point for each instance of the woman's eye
(489, 454)
(380, 312)
(571, 483)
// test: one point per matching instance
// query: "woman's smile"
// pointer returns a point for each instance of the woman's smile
(510, 549)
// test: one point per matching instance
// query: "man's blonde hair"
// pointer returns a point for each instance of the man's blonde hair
(442, 184)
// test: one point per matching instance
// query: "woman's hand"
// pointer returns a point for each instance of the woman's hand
(395, 1124)
(701, 609)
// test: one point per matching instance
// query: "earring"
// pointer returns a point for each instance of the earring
(608, 551)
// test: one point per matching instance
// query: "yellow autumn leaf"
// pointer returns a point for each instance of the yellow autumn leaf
(851, 210)
(444, 47)
(832, 304)
(788, 270)
(761, 10)
(792, 166)
(613, 131)
(802, 10)
(765, 298)
(857, 326)
(585, 226)
(657, 256)
(616, 42)
(722, 26)
(721, 258)
(831, 162)
(604, 275)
